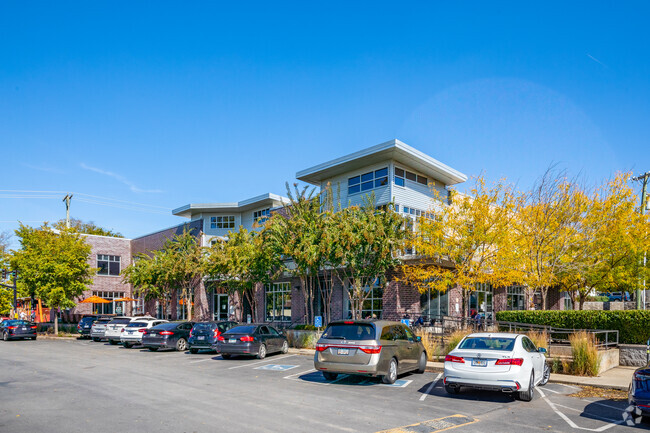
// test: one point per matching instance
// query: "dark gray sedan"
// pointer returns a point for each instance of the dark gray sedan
(173, 335)
(253, 340)
(17, 329)
(204, 335)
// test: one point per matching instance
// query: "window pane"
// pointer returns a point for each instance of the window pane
(381, 182)
(114, 268)
(366, 186)
(411, 176)
(354, 189)
(366, 177)
(423, 180)
(399, 181)
(103, 267)
(354, 180)
(381, 173)
(399, 172)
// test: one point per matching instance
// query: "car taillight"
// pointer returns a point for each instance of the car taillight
(349, 322)
(321, 347)
(143, 330)
(166, 333)
(220, 338)
(191, 330)
(122, 330)
(370, 349)
(247, 338)
(33, 327)
(451, 358)
(11, 327)
(217, 333)
(78, 326)
(510, 361)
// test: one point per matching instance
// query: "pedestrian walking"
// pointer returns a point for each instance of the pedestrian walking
(23, 315)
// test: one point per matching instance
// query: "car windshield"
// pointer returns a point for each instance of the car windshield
(203, 327)
(121, 321)
(246, 329)
(170, 325)
(357, 331)
(136, 324)
(14, 322)
(87, 319)
(488, 343)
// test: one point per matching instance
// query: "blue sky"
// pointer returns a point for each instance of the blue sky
(160, 104)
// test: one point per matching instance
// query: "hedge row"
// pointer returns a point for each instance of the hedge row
(633, 325)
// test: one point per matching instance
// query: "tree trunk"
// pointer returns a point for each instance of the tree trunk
(201, 304)
(56, 322)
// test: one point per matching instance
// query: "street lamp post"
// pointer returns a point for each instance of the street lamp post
(644, 189)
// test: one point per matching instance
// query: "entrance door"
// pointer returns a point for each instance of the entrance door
(220, 307)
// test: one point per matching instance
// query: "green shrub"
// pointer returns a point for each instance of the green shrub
(586, 360)
(633, 325)
(430, 342)
(556, 366)
(302, 339)
(305, 328)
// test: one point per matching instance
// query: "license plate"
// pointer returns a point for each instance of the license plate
(130, 332)
(479, 362)
(232, 340)
(201, 338)
(343, 352)
(24, 329)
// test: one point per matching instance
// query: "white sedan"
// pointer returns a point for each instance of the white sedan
(503, 362)
(131, 334)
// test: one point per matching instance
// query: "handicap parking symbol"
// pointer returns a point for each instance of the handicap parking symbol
(276, 367)
(399, 383)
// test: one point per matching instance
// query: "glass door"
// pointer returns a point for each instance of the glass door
(220, 307)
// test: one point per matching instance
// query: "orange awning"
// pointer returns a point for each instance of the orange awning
(125, 299)
(95, 300)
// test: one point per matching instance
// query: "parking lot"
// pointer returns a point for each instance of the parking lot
(81, 386)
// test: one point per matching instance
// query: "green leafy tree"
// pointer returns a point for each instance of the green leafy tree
(53, 265)
(298, 233)
(89, 228)
(6, 301)
(242, 262)
(365, 243)
(147, 275)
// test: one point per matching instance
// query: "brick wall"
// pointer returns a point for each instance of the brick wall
(107, 283)
(155, 241)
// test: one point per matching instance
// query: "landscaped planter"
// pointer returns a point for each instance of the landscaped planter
(300, 339)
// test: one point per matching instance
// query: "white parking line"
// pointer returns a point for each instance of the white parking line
(299, 374)
(554, 392)
(571, 423)
(433, 385)
(260, 362)
(568, 386)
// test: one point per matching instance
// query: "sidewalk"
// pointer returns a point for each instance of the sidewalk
(616, 378)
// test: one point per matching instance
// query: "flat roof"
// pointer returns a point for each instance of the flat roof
(393, 149)
(261, 200)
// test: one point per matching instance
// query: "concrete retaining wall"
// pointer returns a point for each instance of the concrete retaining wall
(633, 355)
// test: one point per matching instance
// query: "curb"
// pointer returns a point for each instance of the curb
(593, 385)
(52, 337)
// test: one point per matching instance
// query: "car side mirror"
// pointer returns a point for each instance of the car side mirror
(418, 338)
(541, 350)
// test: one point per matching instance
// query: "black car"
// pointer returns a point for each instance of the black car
(15, 329)
(204, 335)
(85, 325)
(639, 393)
(255, 340)
(172, 335)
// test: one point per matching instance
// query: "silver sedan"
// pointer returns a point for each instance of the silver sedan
(503, 362)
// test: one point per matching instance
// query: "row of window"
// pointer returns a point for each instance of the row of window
(378, 178)
(222, 222)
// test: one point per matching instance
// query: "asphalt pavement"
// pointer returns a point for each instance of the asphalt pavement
(82, 386)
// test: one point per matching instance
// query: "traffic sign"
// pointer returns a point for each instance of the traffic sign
(318, 321)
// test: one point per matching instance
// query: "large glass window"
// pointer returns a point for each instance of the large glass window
(278, 302)
(368, 181)
(433, 304)
(401, 174)
(516, 298)
(481, 300)
(108, 308)
(108, 265)
(222, 222)
(374, 304)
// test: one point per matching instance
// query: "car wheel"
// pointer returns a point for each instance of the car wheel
(329, 376)
(181, 345)
(153, 349)
(261, 352)
(194, 351)
(547, 374)
(528, 395)
(5, 336)
(96, 339)
(128, 345)
(422, 364)
(285, 347)
(391, 376)
(452, 389)
(112, 342)
(225, 355)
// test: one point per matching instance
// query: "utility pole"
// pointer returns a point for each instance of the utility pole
(67, 199)
(644, 196)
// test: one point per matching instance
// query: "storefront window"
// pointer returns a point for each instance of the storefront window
(434, 305)
(480, 300)
(278, 302)
(516, 298)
